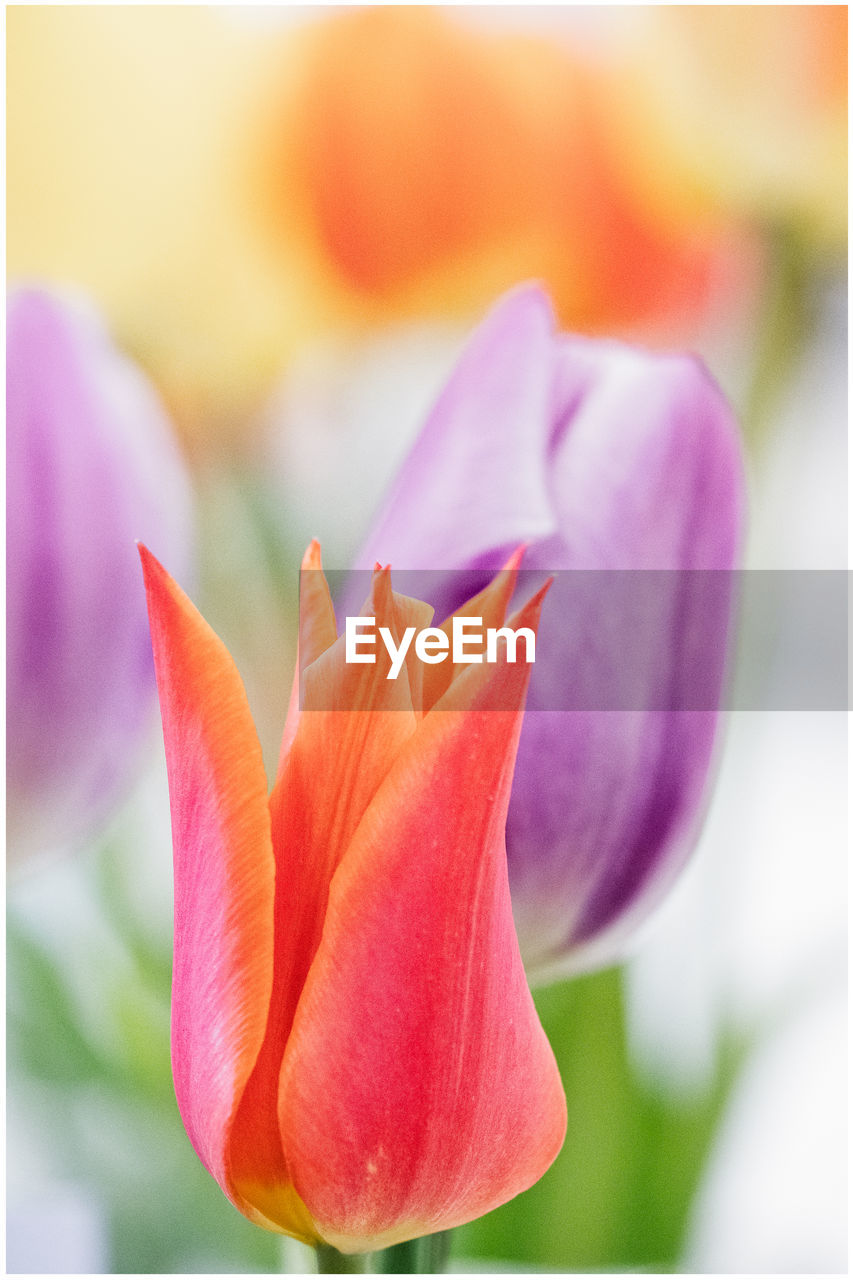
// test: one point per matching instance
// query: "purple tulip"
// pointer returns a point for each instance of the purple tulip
(91, 466)
(599, 457)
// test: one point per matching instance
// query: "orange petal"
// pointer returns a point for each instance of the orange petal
(490, 604)
(337, 758)
(317, 629)
(317, 632)
(418, 1089)
(224, 872)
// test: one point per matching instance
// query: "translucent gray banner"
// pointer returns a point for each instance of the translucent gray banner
(618, 640)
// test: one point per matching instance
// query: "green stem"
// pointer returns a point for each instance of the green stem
(783, 327)
(330, 1262)
(428, 1255)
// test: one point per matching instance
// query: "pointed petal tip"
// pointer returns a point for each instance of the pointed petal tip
(380, 590)
(530, 612)
(313, 558)
(152, 570)
(514, 561)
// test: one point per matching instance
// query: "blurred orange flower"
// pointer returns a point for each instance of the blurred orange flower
(436, 164)
(230, 187)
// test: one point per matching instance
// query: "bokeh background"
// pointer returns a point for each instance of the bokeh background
(290, 218)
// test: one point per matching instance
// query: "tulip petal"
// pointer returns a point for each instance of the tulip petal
(490, 606)
(90, 466)
(452, 1103)
(490, 422)
(317, 633)
(595, 842)
(643, 468)
(224, 872)
(317, 630)
(338, 756)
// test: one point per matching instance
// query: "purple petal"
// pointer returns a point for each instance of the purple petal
(91, 466)
(647, 476)
(601, 458)
(476, 480)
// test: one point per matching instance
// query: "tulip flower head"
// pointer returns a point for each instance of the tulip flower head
(356, 1055)
(616, 466)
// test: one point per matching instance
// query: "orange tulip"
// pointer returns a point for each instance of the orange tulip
(437, 164)
(356, 1055)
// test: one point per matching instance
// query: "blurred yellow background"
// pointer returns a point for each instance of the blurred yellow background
(231, 183)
